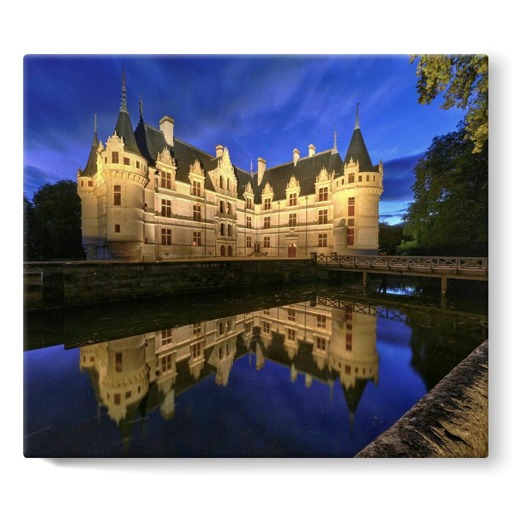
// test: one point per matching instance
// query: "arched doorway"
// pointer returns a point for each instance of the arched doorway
(292, 251)
(222, 250)
(230, 250)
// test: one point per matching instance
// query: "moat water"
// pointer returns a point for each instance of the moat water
(317, 371)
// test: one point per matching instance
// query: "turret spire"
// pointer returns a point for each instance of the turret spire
(140, 106)
(95, 124)
(335, 142)
(357, 117)
(124, 107)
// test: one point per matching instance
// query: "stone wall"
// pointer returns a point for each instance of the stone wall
(74, 283)
(450, 421)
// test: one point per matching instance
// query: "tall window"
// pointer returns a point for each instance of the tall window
(197, 213)
(196, 188)
(230, 230)
(291, 315)
(321, 344)
(166, 337)
(117, 228)
(322, 217)
(348, 341)
(292, 219)
(166, 237)
(351, 206)
(195, 350)
(266, 242)
(322, 240)
(196, 238)
(249, 241)
(266, 327)
(126, 161)
(117, 195)
(321, 321)
(350, 222)
(222, 230)
(266, 222)
(115, 157)
(230, 209)
(323, 193)
(351, 178)
(166, 207)
(166, 363)
(266, 203)
(350, 236)
(249, 222)
(221, 207)
(248, 203)
(292, 199)
(291, 334)
(165, 179)
(196, 328)
(119, 361)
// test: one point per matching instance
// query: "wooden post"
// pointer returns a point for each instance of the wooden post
(444, 285)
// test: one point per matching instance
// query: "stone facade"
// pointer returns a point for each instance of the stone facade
(148, 196)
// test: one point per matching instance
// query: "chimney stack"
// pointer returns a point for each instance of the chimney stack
(296, 156)
(167, 128)
(262, 165)
(312, 150)
(219, 150)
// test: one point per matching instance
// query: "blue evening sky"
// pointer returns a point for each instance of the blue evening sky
(255, 105)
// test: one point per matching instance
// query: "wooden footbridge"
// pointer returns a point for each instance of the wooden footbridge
(441, 267)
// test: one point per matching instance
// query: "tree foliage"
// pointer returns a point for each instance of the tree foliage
(390, 238)
(52, 225)
(463, 82)
(449, 214)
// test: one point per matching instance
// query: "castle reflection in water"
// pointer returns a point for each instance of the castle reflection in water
(332, 345)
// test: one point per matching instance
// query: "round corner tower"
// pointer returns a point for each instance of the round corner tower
(356, 195)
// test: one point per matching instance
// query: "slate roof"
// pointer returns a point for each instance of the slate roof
(151, 141)
(358, 152)
(91, 167)
(305, 171)
(124, 129)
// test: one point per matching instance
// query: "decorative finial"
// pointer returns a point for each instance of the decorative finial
(251, 164)
(124, 108)
(140, 106)
(357, 117)
(335, 141)
(95, 124)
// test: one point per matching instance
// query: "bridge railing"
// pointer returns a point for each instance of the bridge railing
(427, 264)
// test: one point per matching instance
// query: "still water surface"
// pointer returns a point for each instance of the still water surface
(313, 373)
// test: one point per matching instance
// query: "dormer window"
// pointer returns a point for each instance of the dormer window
(165, 179)
(323, 193)
(115, 157)
(292, 199)
(266, 203)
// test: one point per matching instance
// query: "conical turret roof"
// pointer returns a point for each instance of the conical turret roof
(91, 167)
(357, 149)
(124, 126)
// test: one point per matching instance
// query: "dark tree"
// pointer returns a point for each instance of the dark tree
(464, 83)
(28, 220)
(390, 237)
(449, 214)
(52, 223)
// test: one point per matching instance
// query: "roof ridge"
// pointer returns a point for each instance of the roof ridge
(321, 153)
